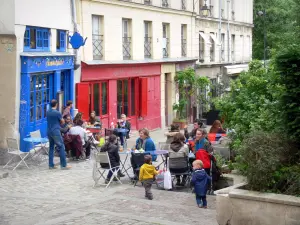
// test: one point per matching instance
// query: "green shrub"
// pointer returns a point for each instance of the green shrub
(266, 160)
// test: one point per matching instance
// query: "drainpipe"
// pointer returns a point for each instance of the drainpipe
(228, 32)
(74, 21)
(220, 29)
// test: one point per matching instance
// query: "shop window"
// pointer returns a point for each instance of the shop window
(99, 98)
(126, 97)
(36, 39)
(61, 41)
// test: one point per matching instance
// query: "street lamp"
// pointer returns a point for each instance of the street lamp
(263, 14)
(205, 10)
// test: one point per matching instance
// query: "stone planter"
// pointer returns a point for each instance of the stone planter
(242, 207)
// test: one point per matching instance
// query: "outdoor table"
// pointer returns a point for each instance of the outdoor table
(94, 130)
(34, 141)
(127, 153)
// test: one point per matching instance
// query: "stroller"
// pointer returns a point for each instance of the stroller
(211, 168)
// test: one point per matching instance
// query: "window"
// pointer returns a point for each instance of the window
(99, 98)
(36, 39)
(183, 40)
(223, 47)
(126, 97)
(232, 10)
(183, 4)
(147, 39)
(61, 41)
(242, 47)
(126, 39)
(212, 47)
(166, 41)
(233, 47)
(201, 46)
(147, 2)
(165, 3)
(98, 38)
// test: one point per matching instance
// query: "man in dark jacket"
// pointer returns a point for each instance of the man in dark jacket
(197, 124)
(112, 149)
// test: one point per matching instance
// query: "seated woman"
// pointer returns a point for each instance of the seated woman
(78, 130)
(123, 123)
(217, 128)
(146, 143)
(95, 120)
(173, 131)
(77, 118)
(111, 147)
(178, 149)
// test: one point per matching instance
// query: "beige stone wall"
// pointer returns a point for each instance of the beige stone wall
(7, 88)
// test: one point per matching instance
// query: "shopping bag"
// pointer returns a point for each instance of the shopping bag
(160, 180)
(167, 180)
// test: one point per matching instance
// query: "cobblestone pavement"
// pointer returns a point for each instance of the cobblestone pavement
(38, 196)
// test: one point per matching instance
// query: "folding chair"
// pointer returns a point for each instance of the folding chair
(103, 158)
(137, 160)
(42, 145)
(180, 167)
(13, 148)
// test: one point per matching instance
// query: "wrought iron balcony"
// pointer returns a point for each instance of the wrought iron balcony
(148, 47)
(165, 3)
(97, 46)
(126, 47)
(183, 47)
(166, 49)
(183, 4)
(147, 2)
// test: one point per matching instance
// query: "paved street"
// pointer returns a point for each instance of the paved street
(44, 197)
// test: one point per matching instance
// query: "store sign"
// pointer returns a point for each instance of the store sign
(55, 62)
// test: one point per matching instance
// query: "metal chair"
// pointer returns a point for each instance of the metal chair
(103, 158)
(42, 145)
(13, 148)
(180, 167)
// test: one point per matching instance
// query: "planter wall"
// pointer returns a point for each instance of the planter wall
(242, 207)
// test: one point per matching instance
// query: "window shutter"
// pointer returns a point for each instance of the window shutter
(143, 97)
(83, 99)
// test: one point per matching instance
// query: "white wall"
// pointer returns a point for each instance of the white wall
(113, 14)
(7, 16)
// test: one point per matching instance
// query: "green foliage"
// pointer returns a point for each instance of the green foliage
(188, 85)
(288, 65)
(266, 160)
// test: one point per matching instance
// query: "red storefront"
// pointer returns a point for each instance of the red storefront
(112, 90)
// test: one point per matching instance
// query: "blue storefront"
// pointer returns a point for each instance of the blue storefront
(43, 77)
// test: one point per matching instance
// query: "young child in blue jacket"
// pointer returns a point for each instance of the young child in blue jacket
(199, 181)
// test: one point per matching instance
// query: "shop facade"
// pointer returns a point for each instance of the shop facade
(43, 77)
(114, 89)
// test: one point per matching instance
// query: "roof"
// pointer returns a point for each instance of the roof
(144, 61)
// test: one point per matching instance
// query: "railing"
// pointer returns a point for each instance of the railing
(147, 47)
(147, 2)
(97, 46)
(166, 49)
(165, 3)
(183, 4)
(126, 47)
(183, 47)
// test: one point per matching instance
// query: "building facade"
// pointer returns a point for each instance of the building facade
(35, 64)
(133, 51)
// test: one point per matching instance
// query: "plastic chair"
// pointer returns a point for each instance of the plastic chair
(42, 145)
(103, 158)
(13, 148)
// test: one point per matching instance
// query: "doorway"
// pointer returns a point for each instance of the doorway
(168, 89)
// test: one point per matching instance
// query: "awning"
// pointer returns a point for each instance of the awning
(236, 69)
(205, 38)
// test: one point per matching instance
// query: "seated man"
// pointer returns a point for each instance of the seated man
(197, 124)
(123, 123)
(78, 130)
(67, 125)
(94, 120)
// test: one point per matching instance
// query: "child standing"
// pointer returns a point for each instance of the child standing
(199, 181)
(147, 174)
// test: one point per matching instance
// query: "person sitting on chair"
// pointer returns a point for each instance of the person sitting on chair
(145, 142)
(78, 130)
(111, 147)
(217, 128)
(123, 123)
(67, 125)
(178, 149)
(197, 124)
(95, 120)
(173, 131)
(77, 117)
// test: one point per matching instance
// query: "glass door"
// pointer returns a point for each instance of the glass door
(126, 90)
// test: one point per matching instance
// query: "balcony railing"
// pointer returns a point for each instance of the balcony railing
(166, 49)
(147, 47)
(183, 4)
(165, 3)
(147, 2)
(97, 46)
(126, 47)
(183, 47)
